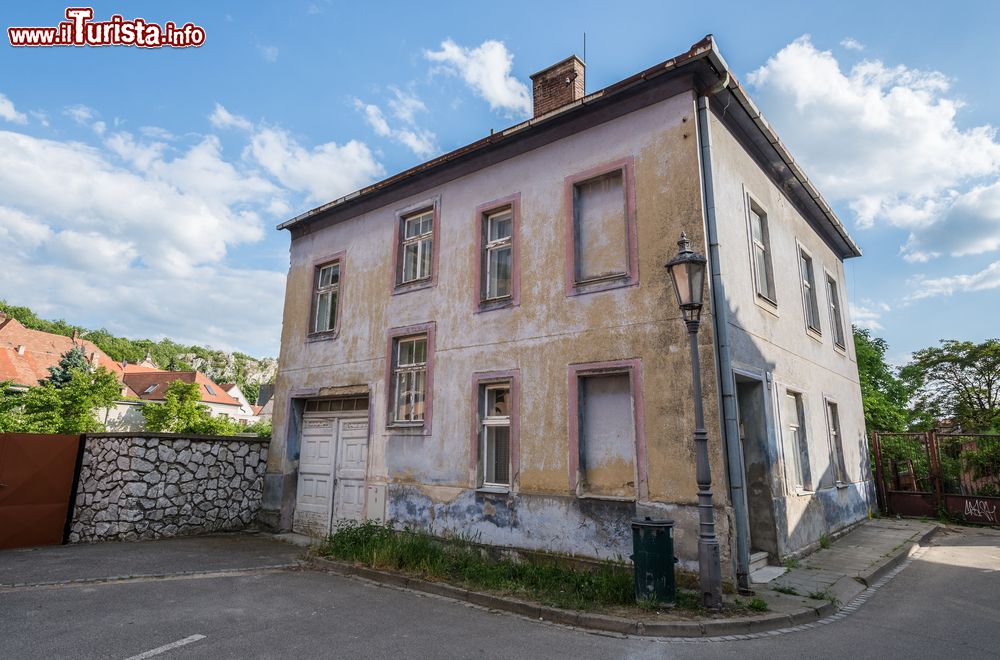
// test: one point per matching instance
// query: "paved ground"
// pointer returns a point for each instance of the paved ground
(943, 605)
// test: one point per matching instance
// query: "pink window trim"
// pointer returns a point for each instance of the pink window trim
(433, 203)
(631, 278)
(394, 334)
(634, 369)
(483, 378)
(340, 257)
(479, 304)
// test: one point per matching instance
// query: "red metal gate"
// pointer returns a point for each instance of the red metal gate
(924, 474)
(37, 480)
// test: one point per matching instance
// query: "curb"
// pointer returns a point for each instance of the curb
(587, 620)
(898, 558)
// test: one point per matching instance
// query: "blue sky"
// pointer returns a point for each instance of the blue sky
(139, 189)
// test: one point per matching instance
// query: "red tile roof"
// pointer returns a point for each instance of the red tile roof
(26, 355)
(151, 385)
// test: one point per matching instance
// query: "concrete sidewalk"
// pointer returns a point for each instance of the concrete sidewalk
(853, 562)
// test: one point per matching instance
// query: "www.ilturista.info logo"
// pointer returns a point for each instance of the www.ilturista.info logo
(81, 30)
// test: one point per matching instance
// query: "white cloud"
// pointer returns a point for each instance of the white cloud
(405, 105)
(41, 117)
(850, 43)
(9, 113)
(269, 53)
(419, 141)
(222, 118)
(156, 133)
(867, 314)
(81, 114)
(325, 172)
(885, 140)
(487, 70)
(984, 280)
(140, 235)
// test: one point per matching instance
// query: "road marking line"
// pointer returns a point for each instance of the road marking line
(167, 647)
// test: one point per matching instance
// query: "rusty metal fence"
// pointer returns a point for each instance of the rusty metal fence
(37, 483)
(927, 474)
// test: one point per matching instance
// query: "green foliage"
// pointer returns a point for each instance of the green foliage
(885, 397)
(251, 391)
(824, 541)
(261, 429)
(74, 358)
(786, 590)
(71, 408)
(959, 381)
(758, 605)
(183, 412)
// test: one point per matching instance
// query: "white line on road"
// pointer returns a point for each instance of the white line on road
(167, 647)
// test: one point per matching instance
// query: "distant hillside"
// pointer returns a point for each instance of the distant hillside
(248, 372)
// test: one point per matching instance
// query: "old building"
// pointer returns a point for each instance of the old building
(488, 343)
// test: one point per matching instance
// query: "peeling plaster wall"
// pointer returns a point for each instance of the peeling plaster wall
(773, 343)
(430, 476)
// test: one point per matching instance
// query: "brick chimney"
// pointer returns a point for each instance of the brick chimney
(558, 85)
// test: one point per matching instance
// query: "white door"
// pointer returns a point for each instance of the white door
(314, 496)
(351, 465)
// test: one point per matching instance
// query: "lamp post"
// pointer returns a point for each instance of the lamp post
(687, 270)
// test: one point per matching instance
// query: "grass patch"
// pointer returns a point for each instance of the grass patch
(460, 561)
(787, 590)
(791, 563)
(463, 562)
(752, 605)
(824, 595)
(824, 541)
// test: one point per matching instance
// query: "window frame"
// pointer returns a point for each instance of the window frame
(803, 481)
(432, 205)
(407, 427)
(481, 381)
(835, 438)
(631, 276)
(633, 367)
(810, 296)
(480, 302)
(754, 207)
(835, 310)
(340, 258)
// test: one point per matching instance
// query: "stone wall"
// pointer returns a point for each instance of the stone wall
(146, 486)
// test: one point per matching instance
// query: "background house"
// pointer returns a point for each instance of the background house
(532, 385)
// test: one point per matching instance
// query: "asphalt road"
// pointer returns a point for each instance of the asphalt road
(943, 605)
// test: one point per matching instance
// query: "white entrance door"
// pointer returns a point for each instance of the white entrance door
(315, 489)
(351, 464)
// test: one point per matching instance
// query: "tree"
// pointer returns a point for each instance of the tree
(958, 380)
(74, 358)
(10, 407)
(183, 412)
(71, 408)
(884, 396)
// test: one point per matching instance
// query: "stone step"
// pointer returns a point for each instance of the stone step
(766, 574)
(758, 560)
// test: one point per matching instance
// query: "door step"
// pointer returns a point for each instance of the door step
(758, 560)
(766, 574)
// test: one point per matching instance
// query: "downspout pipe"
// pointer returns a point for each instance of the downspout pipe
(720, 320)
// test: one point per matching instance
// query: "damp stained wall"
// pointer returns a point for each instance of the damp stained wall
(771, 342)
(430, 477)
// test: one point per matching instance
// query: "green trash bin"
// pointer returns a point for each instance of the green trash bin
(653, 560)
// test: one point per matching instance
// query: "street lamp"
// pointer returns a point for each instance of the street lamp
(687, 270)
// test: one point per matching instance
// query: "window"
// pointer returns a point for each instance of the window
(410, 379)
(417, 246)
(761, 245)
(499, 254)
(809, 291)
(836, 443)
(606, 459)
(149, 390)
(208, 388)
(325, 297)
(796, 443)
(836, 319)
(601, 233)
(494, 452)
